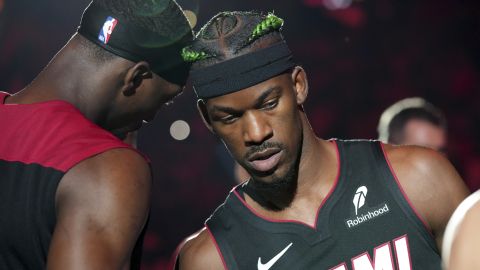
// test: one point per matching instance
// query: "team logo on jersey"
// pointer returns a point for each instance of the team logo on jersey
(359, 198)
(107, 29)
(269, 264)
(367, 213)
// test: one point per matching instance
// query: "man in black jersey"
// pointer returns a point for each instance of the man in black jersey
(73, 195)
(310, 203)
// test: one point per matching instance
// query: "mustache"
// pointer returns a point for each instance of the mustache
(262, 147)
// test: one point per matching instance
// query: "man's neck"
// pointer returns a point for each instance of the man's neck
(318, 171)
(318, 167)
(69, 79)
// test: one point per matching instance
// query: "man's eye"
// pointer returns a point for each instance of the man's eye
(228, 119)
(270, 105)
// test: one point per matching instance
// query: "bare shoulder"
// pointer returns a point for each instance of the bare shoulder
(421, 160)
(121, 171)
(462, 237)
(430, 182)
(102, 205)
(426, 171)
(199, 251)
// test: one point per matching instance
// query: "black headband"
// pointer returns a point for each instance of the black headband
(242, 72)
(121, 37)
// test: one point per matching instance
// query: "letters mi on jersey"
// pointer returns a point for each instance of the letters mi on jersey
(383, 258)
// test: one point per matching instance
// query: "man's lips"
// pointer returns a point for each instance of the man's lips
(266, 160)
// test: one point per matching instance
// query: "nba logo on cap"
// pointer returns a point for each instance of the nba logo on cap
(107, 29)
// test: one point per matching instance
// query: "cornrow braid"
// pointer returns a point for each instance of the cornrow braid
(269, 24)
(191, 56)
(229, 34)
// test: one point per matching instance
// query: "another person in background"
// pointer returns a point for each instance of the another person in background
(72, 194)
(414, 121)
(310, 203)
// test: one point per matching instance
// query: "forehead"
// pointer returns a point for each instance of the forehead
(254, 93)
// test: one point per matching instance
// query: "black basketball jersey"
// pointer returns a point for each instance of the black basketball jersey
(365, 223)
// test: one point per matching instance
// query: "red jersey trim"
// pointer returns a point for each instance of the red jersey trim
(217, 247)
(404, 193)
(53, 134)
(314, 227)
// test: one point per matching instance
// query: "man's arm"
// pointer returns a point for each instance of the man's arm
(199, 253)
(431, 183)
(102, 205)
(460, 244)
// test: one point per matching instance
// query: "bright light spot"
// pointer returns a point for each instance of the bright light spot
(337, 4)
(192, 18)
(179, 130)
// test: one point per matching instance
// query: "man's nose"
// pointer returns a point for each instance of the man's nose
(256, 128)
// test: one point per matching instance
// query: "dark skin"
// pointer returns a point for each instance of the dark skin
(102, 203)
(419, 170)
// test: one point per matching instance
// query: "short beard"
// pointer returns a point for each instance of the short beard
(278, 194)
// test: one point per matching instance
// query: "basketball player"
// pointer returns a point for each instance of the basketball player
(310, 203)
(414, 121)
(72, 195)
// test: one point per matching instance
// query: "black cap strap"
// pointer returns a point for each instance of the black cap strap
(242, 72)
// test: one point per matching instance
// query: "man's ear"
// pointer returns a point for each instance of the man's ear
(300, 82)
(134, 77)
(202, 109)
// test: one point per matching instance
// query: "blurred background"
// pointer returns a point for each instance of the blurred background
(360, 56)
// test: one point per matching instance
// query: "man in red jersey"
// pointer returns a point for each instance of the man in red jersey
(73, 195)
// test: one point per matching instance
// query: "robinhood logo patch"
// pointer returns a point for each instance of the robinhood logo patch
(367, 213)
(359, 198)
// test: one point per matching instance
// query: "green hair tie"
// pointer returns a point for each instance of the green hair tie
(269, 24)
(193, 56)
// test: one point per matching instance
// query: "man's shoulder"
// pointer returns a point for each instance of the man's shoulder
(85, 140)
(53, 134)
(461, 236)
(105, 199)
(430, 182)
(197, 243)
(421, 169)
(116, 171)
(416, 159)
(199, 251)
(115, 164)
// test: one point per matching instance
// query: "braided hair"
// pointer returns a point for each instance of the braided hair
(230, 34)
